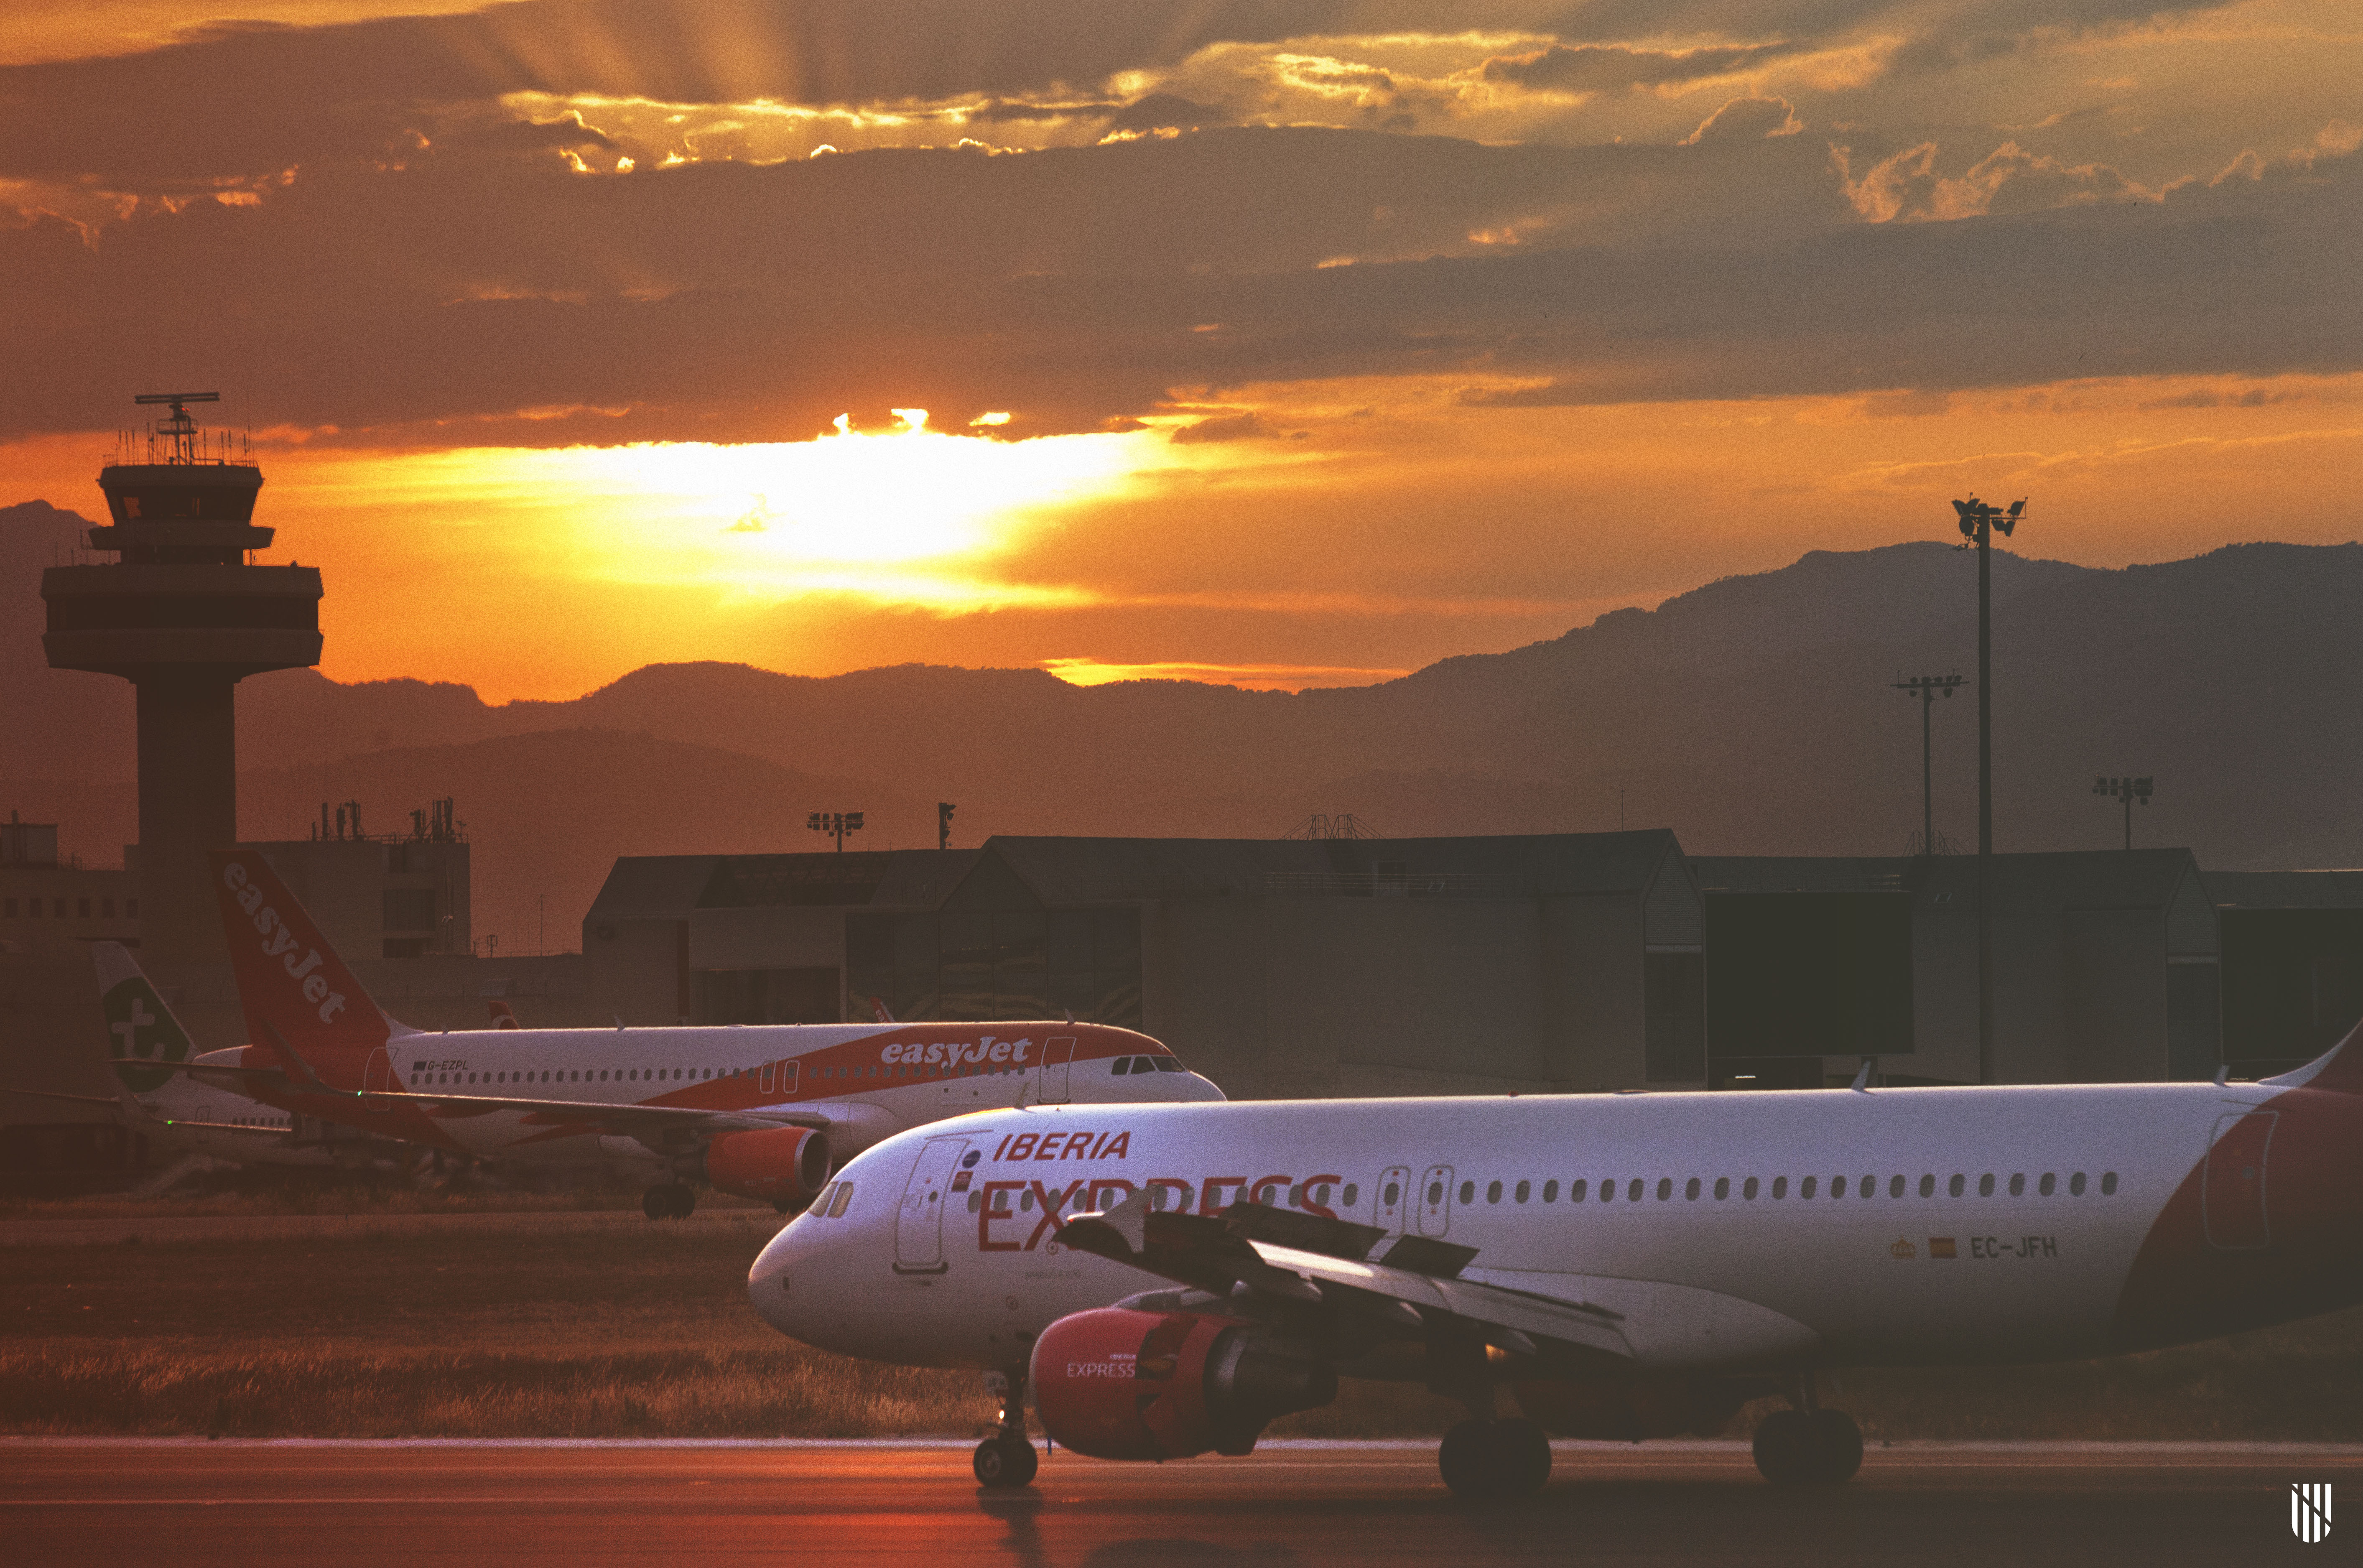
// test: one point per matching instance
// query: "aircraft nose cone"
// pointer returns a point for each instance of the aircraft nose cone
(772, 1282)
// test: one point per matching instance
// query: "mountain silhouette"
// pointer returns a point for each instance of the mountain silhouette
(1754, 715)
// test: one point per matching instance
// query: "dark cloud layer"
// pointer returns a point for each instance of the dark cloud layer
(1078, 287)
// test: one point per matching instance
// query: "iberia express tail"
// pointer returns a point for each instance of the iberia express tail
(297, 993)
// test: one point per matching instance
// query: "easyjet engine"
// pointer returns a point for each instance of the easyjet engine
(1116, 1384)
(784, 1166)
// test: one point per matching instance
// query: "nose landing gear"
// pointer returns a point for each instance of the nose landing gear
(1007, 1460)
(1808, 1446)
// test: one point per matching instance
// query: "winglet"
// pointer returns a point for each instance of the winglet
(1128, 1221)
(290, 979)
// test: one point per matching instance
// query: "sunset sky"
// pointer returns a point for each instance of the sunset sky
(1283, 342)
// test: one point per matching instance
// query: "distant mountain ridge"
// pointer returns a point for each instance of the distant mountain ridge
(1752, 715)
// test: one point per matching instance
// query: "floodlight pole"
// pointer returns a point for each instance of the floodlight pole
(1978, 520)
(1927, 687)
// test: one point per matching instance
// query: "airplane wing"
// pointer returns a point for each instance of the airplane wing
(77, 1099)
(631, 1120)
(1306, 1258)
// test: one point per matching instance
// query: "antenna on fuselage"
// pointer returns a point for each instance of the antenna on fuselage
(1862, 1074)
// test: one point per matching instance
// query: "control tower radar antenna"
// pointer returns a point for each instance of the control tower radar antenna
(180, 428)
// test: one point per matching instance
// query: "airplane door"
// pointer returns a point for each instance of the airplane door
(792, 1069)
(1434, 1197)
(919, 1229)
(1395, 1198)
(378, 1076)
(763, 1080)
(2233, 1200)
(1056, 1060)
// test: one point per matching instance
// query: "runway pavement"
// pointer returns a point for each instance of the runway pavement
(201, 1503)
(115, 1230)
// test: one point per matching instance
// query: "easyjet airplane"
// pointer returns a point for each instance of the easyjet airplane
(760, 1110)
(1169, 1279)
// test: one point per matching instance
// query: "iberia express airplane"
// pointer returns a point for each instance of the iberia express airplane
(1631, 1266)
(761, 1110)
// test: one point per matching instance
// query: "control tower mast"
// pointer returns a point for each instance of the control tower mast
(181, 616)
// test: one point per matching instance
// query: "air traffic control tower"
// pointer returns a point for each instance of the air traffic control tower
(183, 617)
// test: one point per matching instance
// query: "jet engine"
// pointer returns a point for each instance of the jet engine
(1629, 1409)
(1116, 1384)
(782, 1165)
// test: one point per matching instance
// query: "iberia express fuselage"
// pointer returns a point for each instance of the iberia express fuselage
(1726, 1232)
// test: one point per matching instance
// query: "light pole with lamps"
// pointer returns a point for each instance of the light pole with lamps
(2128, 791)
(1979, 519)
(1925, 688)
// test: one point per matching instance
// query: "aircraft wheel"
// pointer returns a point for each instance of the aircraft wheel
(657, 1202)
(1785, 1449)
(1469, 1462)
(1837, 1442)
(1004, 1464)
(1521, 1457)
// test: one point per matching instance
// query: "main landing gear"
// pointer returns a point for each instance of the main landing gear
(1496, 1457)
(672, 1202)
(1007, 1460)
(1808, 1446)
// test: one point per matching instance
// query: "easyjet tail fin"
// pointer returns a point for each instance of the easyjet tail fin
(292, 984)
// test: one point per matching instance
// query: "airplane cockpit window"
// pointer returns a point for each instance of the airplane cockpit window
(1120, 1067)
(1169, 1064)
(844, 1197)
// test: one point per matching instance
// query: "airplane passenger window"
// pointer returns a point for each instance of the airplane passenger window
(1393, 1194)
(1468, 1192)
(1321, 1194)
(1837, 1187)
(1524, 1189)
(1895, 1186)
(1869, 1187)
(1607, 1191)
(1493, 1193)
(1633, 1191)
(1353, 1191)
(1748, 1190)
(1780, 1186)
(2049, 1181)
(1690, 1192)
(2018, 1186)
(1435, 1194)
(1026, 1202)
(1959, 1182)
(1550, 1192)
(975, 1201)
(2109, 1183)
(1985, 1185)
(1665, 1188)
(1722, 1187)
(1575, 1192)
(2076, 1185)
(1804, 1188)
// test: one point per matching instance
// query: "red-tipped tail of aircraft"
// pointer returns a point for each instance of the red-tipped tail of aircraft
(297, 993)
(2339, 1069)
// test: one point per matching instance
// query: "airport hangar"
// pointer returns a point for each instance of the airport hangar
(1539, 964)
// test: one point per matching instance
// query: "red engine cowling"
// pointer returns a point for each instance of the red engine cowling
(1115, 1383)
(1631, 1409)
(779, 1165)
